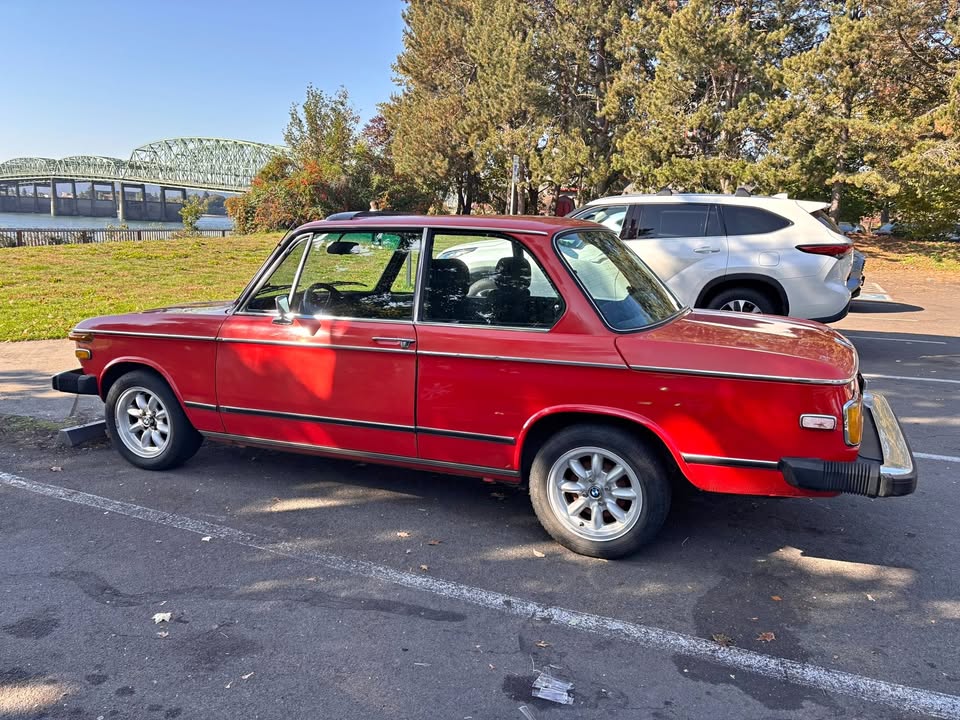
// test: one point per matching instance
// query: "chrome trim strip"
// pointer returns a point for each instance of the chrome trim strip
(200, 405)
(308, 248)
(316, 418)
(488, 229)
(311, 346)
(475, 326)
(425, 252)
(740, 376)
(321, 318)
(897, 458)
(504, 439)
(505, 358)
(166, 336)
(729, 461)
(362, 454)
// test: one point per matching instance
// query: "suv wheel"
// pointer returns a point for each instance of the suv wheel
(745, 300)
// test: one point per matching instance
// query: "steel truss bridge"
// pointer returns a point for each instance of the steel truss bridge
(199, 163)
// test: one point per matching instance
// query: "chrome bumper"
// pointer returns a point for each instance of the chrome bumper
(884, 467)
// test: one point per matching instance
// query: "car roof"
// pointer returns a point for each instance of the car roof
(536, 224)
(746, 200)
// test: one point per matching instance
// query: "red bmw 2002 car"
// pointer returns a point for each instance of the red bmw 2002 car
(566, 365)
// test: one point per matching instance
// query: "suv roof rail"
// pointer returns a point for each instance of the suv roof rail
(742, 191)
(354, 214)
(665, 191)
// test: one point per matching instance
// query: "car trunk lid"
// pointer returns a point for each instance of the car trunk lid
(726, 344)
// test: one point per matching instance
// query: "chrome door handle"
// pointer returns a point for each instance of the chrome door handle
(705, 249)
(404, 343)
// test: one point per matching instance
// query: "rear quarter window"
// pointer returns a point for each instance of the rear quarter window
(741, 220)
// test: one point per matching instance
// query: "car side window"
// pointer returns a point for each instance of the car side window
(487, 280)
(363, 275)
(611, 216)
(742, 220)
(279, 282)
(675, 220)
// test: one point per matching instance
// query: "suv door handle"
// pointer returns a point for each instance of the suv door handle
(404, 343)
(705, 249)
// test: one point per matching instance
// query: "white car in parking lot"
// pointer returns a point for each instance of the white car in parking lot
(742, 252)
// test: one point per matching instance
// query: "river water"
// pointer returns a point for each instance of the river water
(39, 220)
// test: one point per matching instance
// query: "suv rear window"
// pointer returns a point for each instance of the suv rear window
(741, 220)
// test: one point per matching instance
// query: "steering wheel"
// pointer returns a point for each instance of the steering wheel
(312, 308)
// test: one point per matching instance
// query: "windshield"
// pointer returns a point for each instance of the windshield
(624, 290)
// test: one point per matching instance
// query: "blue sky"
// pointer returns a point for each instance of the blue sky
(100, 77)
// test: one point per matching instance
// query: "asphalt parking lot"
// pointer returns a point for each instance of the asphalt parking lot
(307, 588)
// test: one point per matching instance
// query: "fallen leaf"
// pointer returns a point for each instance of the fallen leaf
(247, 676)
(722, 639)
(424, 567)
(434, 542)
(56, 468)
(871, 598)
(492, 666)
(161, 617)
(776, 598)
(162, 634)
(403, 534)
(542, 644)
(766, 637)
(206, 538)
(537, 553)
(228, 685)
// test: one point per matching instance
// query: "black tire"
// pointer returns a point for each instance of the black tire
(650, 476)
(749, 295)
(181, 439)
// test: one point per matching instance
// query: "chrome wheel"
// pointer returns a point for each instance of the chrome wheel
(744, 306)
(143, 425)
(594, 493)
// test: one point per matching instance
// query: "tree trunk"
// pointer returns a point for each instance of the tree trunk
(460, 195)
(836, 195)
(468, 197)
(533, 199)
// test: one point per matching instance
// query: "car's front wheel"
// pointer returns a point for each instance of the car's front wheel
(599, 490)
(146, 423)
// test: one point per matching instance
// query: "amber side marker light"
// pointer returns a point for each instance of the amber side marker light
(818, 422)
(853, 421)
(78, 336)
(83, 353)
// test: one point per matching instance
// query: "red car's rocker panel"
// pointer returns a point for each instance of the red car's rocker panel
(564, 364)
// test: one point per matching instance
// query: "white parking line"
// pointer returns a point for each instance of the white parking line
(905, 377)
(902, 697)
(944, 458)
(886, 339)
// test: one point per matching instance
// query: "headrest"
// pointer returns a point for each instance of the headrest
(512, 272)
(449, 273)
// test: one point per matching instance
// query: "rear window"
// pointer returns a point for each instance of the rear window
(742, 220)
(624, 291)
(826, 220)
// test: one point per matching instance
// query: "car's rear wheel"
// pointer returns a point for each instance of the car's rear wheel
(146, 423)
(599, 490)
(745, 300)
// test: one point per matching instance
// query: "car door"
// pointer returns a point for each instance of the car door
(683, 243)
(336, 372)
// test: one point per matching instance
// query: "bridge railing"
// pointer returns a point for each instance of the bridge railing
(33, 237)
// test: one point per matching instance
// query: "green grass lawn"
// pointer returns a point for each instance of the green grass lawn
(45, 291)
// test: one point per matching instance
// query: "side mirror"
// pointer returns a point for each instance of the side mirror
(284, 316)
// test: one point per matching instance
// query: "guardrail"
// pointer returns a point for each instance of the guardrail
(33, 237)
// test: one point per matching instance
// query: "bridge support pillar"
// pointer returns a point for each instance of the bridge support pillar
(119, 202)
(53, 197)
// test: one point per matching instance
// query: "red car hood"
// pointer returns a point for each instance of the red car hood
(189, 319)
(733, 344)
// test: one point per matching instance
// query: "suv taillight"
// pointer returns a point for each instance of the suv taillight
(836, 251)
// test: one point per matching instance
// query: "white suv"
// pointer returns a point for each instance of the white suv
(740, 252)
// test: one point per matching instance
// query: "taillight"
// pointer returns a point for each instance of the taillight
(836, 251)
